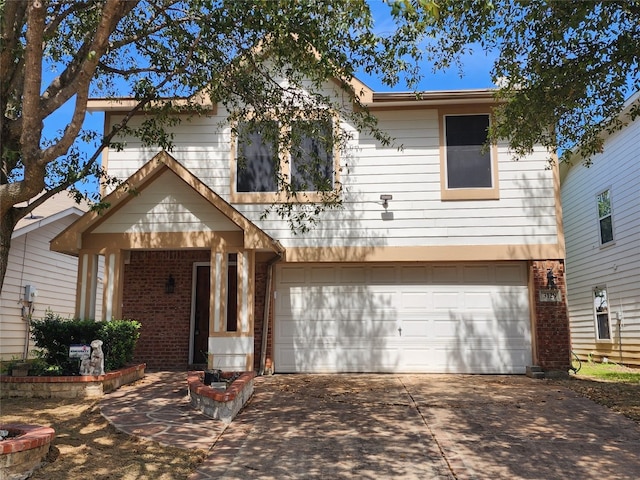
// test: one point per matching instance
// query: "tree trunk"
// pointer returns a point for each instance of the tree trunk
(7, 224)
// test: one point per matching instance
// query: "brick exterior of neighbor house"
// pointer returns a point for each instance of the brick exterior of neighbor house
(552, 335)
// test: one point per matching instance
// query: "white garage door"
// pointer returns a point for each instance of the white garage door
(471, 318)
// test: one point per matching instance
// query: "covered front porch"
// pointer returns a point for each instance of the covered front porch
(183, 262)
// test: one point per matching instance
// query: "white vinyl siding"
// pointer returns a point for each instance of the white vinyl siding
(617, 265)
(525, 213)
(430, 318)
(167, 205)
(52, 274)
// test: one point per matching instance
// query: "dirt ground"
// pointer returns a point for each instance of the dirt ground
(87, 446)
(619, 397)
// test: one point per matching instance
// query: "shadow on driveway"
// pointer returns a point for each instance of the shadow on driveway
(423, 427)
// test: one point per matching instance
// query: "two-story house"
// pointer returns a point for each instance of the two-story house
(602, 221)
(438, 260)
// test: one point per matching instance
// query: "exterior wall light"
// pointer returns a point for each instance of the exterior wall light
(385, 200)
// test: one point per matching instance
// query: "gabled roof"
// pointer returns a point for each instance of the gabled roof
(58, 206)
(70, 240)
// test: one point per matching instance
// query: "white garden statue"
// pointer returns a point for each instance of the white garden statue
(96, 362)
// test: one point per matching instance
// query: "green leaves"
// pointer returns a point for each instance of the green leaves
(236, 53)
(564, 68)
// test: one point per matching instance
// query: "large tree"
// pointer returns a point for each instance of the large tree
(564, 67)
(171, 57)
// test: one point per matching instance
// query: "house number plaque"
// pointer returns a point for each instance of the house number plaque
(550, 295)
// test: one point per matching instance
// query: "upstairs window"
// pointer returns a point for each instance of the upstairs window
(311, 159)
(605, 221)
(601, 311)
(256, 157)
(469, 169)
(468, 165)
(271, 159)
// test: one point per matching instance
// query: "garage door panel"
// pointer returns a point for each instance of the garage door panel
(507, 274)
(299, 302)
(476, 274)
(443, 275)
(383, 275)
(326, 326)
(417, 318)
(330, 360)
(446, 300)
(414, 275)
(414, 301)
(478, 300)
(292, 276)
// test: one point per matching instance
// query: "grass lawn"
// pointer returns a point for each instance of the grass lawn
(610, 371)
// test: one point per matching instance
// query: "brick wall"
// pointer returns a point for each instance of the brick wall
(552, 335)
(165, 317)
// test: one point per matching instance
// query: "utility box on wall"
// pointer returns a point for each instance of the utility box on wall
(30, 293)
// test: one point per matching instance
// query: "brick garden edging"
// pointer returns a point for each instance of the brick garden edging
(21, 455)
(221, 405)
(76, 386)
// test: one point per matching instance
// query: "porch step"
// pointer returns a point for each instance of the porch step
(534, 371)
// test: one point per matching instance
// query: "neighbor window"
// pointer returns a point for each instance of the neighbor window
(601, 310)
(469, 164)
(605, 223)
(270, 158)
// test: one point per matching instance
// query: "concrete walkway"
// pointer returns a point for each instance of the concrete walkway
(157, 408)
(389, 426)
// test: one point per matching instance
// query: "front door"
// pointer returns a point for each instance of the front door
(201, 324)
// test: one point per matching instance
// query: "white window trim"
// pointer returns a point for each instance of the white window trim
(598, 218)
(595, 315)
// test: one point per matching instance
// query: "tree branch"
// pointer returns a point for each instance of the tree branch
(132, 71)
(31, 118)
(112, 13)
(12, 21)
(74, 8)
(82, 67)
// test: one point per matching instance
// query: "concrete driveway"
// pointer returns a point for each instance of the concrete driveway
(422, 427)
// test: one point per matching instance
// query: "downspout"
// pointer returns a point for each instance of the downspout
(267, 308)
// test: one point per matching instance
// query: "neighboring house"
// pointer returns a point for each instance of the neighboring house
(33, 267)
(601, 206)
(437, 261)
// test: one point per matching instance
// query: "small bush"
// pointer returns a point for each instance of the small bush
(119, 337)
(55, 334)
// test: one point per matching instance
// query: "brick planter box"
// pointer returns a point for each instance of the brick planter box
(80, 386)
(22, 454)
(222, 405)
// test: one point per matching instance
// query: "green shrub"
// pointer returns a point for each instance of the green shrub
(55, 334)
(119, 337)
